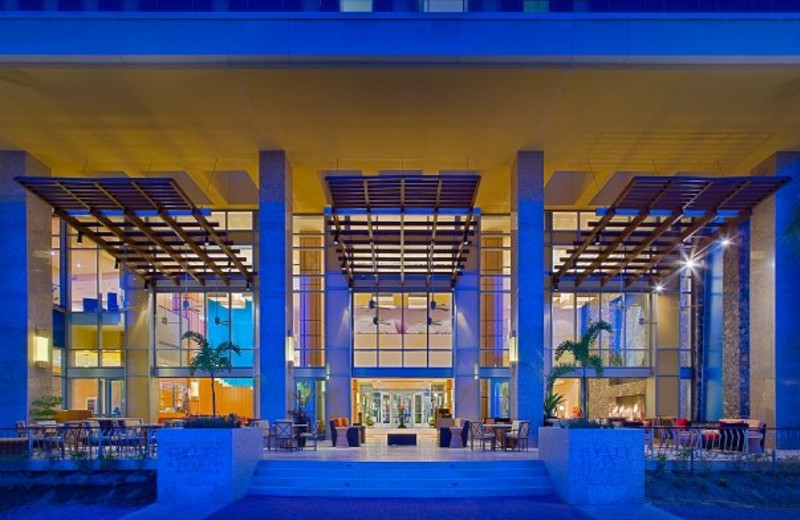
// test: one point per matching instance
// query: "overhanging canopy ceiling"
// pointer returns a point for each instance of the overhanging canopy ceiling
(410, 229)
(658, 221)
(148, 225)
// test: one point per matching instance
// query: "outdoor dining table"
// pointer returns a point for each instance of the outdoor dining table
(500, 429)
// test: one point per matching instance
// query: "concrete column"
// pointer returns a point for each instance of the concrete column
(775, 253)
(466, 343)
(274, 286)
(527, 286)
(338, 333)
(25, 288)
(141, 389)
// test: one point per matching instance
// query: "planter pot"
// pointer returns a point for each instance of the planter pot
(213, 466)
(595, 466)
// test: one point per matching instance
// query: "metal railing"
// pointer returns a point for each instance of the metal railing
(420, 6)
(775, 447)
(78, 442)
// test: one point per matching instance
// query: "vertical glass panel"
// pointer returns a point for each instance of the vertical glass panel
(390, 322)
(218, 318)
(83, 279)
(565, 221)
(168, 332)
(415, 325)
(637, 330)
(611, 345)
(84, 394)
(242, 328)
(365, 321)
(588, 310)
(58, 362)
(240, 220)
(110, 296)
(441, 323)
(495, 328)
(563, 312)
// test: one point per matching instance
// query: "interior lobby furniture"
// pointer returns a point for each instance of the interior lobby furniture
(401, 439)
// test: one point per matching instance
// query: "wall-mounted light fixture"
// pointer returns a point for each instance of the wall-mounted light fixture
(290, 344)
(513, 348)
(476, 372)
(194, 389)
(327, 372)
(41, 351)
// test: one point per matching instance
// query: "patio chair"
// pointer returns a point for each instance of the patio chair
(312, 436)
(267, 432)
(284, 435)
(520, 435)
(478, 433)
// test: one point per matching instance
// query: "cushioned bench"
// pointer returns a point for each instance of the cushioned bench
(401, 439)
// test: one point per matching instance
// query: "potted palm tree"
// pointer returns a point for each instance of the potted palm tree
(211, 360)
(581, 351)
(587, 463)
(227, 454)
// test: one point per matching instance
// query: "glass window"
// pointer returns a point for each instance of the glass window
(179, 396)
(565, 221)
(83, 279)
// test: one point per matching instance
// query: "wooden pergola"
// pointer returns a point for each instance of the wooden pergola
(411, 229)
(149, 225)
(657, 224)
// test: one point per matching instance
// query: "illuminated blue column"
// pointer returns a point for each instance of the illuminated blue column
(712, 337)
(527, 287)
(338, 334)
(466, 342)
(25, 289)
(774, 323)
(274, 285)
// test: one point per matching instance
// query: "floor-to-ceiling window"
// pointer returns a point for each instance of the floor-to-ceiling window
(308, 283)
(411, 330)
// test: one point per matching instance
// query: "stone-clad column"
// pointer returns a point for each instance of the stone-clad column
(25, 288)
(527, 286)
(274, 285)
(736, 329)
(774, 325)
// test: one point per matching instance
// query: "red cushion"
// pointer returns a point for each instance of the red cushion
(681, 423)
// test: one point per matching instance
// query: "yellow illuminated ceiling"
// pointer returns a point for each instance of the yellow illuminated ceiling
(136, 121)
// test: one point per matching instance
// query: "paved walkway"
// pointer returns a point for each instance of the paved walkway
(263, 508)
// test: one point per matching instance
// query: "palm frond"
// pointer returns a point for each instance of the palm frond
(566, 346)
(196, 337)
(557, 372)
(596, 362)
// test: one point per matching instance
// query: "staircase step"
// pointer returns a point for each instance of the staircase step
(467, 478)
(437, 492)
(402, 483)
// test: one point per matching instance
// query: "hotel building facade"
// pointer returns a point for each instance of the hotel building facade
(395, 208)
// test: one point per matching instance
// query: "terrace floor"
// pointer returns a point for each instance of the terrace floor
(376, 449)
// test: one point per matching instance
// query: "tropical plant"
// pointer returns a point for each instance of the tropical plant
(581, 351)
(551, 403)
(45, 408)
(211, 360)
(231, 421)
